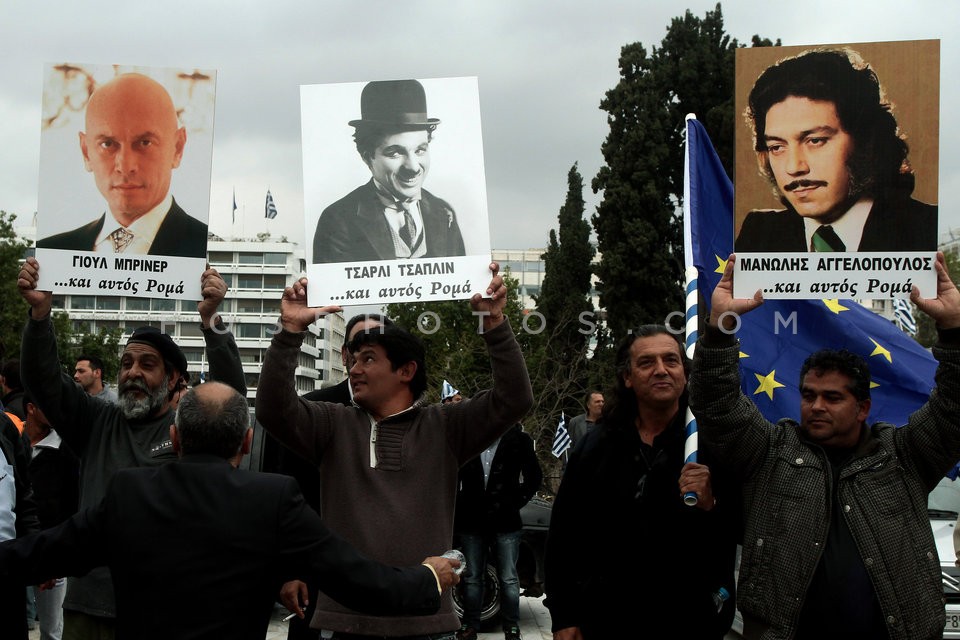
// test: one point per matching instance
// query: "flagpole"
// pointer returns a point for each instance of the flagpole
(691, 442)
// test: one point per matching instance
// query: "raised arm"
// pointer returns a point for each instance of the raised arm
(222, 352)
(63, 402)
(730, 425)
(475, 423)
(296, 422)
(932, 434)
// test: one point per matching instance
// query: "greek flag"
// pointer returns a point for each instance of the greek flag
(234, 213)
(270, 209)
(903, 314)
(561, 441)
(447, 391)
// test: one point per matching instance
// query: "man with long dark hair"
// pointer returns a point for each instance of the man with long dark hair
(623, 547)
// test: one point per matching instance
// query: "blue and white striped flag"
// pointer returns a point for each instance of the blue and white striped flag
(903, 314)
(447, 391)
(270, 209)
(561, 441)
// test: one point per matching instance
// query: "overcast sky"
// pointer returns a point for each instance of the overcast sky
(543, 68)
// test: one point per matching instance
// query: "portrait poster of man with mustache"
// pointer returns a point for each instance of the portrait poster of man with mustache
(124, 188)
(394, 191)
(837, 151)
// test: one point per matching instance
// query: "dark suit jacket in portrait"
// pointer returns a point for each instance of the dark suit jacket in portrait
(199, 549)
(180, 235)
(904, 224)
(354, 229)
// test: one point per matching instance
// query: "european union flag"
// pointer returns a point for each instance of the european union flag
(776, 338)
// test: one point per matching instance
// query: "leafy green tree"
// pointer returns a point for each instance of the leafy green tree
(638, 224)
(13, 311)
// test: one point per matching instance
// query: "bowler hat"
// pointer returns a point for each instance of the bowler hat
(169, 351)
(394, 102)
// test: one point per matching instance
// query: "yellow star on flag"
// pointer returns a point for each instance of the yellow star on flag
(767, 384)
(834, 305)
(874, 385)
(881, 351)
(721, 264)
(744, 354)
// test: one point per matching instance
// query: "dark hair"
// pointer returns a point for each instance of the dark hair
(586, 398)
(401, 347)
(839, 76)
(621, 408)
(843, 362)
(11, 374)
(212, 426)
(363, 317)
(95, 362)
(369, 136)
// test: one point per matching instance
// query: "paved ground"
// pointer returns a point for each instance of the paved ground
(534, 623)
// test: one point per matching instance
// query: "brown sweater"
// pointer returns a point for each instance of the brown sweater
(401, 511)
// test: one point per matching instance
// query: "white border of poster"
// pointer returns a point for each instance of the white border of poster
(332, 168)
(68, 197)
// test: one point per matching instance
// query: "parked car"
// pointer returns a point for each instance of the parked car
(943, 507)
(536, 521)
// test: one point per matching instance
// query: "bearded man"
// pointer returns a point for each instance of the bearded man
(133, 433)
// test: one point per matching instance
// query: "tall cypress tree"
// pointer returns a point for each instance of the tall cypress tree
(560, 370)
(638, 223)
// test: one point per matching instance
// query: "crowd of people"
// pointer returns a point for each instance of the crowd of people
(140, 504)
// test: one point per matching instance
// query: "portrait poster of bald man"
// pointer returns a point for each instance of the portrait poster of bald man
(837, 161)
(394, 191)
(124, 188)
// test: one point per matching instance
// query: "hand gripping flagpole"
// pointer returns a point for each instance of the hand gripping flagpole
(692, 309)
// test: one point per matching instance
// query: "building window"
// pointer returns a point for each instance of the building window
(248, 306)
(515, 266)
(190, 330)
(220, 257)
(250, 356)
(138, 304)
(271, 306)
(82, 302)
(108, 304)
(193, 355)
(277, 282)
(251, 258)
(248, 330)
(163, 304)
(275, 258)
(248, 281)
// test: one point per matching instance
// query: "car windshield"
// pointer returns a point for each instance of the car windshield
(944, 501)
